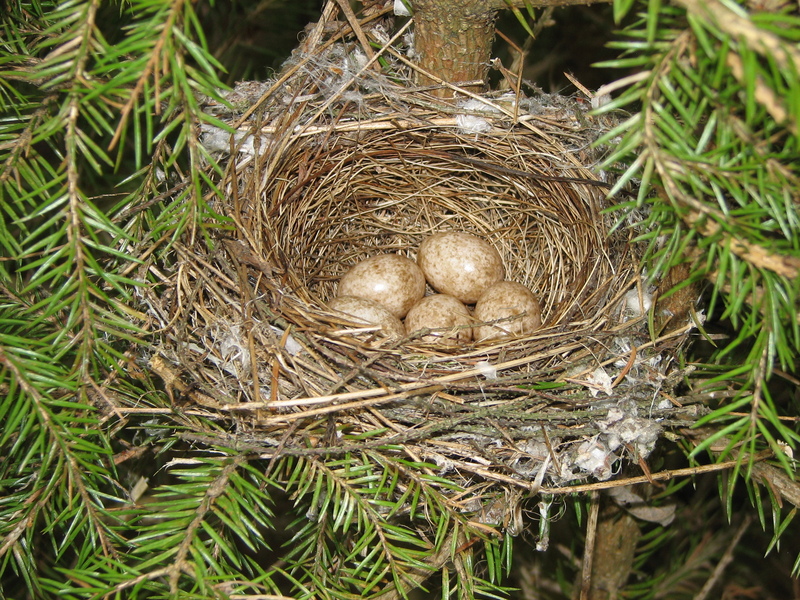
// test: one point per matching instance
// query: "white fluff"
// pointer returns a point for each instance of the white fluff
(472, 125)
(400, 9)
(487, 369)
(636, 305)
(601, 381)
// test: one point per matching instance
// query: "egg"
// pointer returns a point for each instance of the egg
(371, 313)
(460, 264)
(442, 312)
(391, 280)
(501, 301)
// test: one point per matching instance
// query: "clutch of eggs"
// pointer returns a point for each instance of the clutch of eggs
(463, 269)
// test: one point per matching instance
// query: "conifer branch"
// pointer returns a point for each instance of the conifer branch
(156, 67)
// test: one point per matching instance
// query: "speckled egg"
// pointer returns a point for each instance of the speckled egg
(391, 280)
(443, 313)
(460, 264)
(371, 313)
(501, 301)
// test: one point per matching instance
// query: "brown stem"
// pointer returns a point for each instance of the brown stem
(543, 3)
(454, 39)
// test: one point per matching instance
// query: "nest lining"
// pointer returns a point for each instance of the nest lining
(385, 196)
(360, 194)
(320, 181)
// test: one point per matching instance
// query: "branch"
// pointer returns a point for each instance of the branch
(154, 67)
(588, 553)
(501, 4)
(724, 561)
(783, 485)
(758, 256)
(216, 488)
(756, 38)
(418, 575)
(660, 476)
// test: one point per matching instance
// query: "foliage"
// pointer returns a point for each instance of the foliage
(712, 143)
(100, 161)
(79, 114)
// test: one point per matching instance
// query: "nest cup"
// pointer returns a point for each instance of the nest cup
(386, 191)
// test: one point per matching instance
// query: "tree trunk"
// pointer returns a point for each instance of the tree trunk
(453, 39)
(614, 550)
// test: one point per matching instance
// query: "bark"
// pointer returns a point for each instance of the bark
(614, 550)
(453, 40)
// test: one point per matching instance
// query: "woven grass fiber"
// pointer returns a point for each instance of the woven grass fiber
(342, 158)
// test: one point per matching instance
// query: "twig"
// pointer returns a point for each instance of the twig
(403, 390)
(783, 486)
(380, 394)
(758, 256)
(500, 4)
(588, 551)
(348, 13)
(660, 476)
(417, 575)
(726, 559)
(627, 368)
(259, 597)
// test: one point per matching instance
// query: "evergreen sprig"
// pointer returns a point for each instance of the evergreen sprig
(370, 521)
(713, 145)
(90, 96)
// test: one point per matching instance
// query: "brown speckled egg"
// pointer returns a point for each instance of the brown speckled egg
(503, 300)
(371, 313)
(391, 280)
(443, 313)
(460, 264)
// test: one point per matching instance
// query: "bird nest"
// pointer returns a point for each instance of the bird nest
(337, 161)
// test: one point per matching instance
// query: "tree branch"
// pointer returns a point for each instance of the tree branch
(758, 256)
(501, 4)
